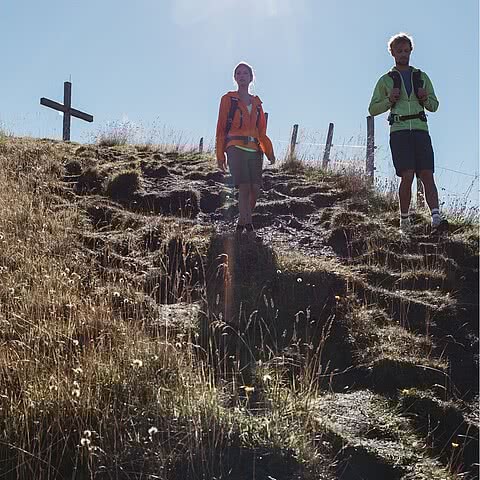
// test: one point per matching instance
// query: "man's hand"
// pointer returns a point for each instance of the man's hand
(422, 95)
(272, 160)
(222, 164)
(394, 95)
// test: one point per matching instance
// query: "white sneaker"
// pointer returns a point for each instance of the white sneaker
(405, 225)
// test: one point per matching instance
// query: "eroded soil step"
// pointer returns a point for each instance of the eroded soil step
(453, 328)
(416, 311)
(387, 357)
(449, 431)
(383, 257)
(389, 374)
(371, 441)
(408, 280)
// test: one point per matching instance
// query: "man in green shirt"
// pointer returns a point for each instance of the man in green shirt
(407, 92)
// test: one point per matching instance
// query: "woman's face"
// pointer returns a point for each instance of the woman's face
(243, 76)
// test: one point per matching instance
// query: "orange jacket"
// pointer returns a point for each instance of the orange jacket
(249, 128)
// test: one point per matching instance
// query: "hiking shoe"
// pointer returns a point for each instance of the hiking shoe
(250, 232)
(252, 235)
(405, 226)
(440, 226)
(238, 232)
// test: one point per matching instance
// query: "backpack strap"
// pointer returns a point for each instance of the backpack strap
(395, 76)
(258, 114)
(231, 114)
(417, 81)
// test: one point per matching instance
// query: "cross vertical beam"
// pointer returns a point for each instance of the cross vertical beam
(67, 104)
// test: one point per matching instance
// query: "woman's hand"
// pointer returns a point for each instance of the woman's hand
(222, 164)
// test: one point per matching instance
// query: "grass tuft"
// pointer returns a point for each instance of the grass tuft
(123, 185)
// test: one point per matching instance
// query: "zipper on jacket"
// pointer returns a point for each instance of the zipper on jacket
(408, 96)
(409, 110)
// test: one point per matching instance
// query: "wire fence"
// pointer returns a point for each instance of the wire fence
(461, 193)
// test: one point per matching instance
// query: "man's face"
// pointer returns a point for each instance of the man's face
(401, 53)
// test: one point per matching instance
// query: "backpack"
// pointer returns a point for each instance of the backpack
(231, 114)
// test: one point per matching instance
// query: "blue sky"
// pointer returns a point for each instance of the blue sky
(163, 64)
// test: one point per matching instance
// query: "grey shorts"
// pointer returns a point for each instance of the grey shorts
(245, 167)
(411, 150)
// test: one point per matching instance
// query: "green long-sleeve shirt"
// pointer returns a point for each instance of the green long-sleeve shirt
(406, 105)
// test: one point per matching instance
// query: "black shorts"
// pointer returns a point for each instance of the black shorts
(411, 150)
(245, 167)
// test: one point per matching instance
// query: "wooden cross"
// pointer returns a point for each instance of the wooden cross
(67, 109)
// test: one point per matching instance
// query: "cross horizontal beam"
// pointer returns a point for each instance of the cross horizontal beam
(73, 112)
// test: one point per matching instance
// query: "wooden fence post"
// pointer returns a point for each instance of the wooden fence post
(293, 141)
(328, 146)
(200, 146)
(370, 160)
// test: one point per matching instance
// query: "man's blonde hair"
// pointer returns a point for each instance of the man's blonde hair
(399, 38)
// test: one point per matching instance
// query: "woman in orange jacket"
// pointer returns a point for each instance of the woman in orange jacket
(241, 134)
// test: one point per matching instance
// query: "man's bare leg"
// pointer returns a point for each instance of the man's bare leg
(431, 195)
(431, 192)
(405, 191)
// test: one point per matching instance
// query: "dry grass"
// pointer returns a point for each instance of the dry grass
(146, 138)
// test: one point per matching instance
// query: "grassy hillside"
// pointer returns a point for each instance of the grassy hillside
(140, 340)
